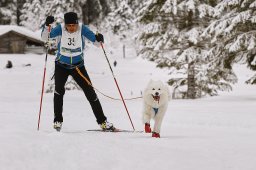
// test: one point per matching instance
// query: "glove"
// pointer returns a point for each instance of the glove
(49, 20)
(99, 37)
(50, 43)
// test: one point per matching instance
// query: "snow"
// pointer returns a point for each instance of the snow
(193, 35)
(253, 5)
(205, 10)
(190, 5)
(215, 133)
(169, 7)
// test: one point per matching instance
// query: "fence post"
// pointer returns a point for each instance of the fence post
(123, 51)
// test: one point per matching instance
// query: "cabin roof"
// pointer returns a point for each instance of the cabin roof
(22, 31)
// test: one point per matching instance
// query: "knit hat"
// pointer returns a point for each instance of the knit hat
(70, 18)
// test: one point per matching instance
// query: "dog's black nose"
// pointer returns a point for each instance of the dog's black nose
(157, 94)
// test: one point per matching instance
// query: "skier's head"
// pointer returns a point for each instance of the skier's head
(70, 18)
(71, 21)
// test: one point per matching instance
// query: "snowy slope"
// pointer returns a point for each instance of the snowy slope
(215, 133)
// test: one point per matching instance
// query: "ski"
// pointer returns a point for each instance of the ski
(115, 130)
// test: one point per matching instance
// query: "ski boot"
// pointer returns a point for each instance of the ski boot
(57, 126)
(106, 126)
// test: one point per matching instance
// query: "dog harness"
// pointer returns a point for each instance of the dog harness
(155, 110)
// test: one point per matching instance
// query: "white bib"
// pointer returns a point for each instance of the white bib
(71, 43)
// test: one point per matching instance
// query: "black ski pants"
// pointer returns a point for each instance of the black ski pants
(61, 76)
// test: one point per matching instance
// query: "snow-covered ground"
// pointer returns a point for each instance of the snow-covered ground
(216, 133)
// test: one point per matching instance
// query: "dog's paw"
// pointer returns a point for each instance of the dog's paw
(147, 128)
(155, 135)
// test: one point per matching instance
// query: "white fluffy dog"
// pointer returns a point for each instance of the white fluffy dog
(156, 97)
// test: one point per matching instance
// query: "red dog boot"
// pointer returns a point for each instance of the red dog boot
(155, 135)
(147, 128)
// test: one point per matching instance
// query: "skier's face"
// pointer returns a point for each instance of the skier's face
(71, 28)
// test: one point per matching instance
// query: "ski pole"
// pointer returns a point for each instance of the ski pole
(117, 85)
(42, 93)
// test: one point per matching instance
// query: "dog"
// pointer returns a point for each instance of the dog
(155, 98)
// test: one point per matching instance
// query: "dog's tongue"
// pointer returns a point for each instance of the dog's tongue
(156, 98)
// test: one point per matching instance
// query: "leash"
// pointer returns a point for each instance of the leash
(89, 83)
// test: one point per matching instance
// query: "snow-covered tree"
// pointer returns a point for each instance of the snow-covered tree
(93, 10)
(57, 8)
(35, 11)
(8, 11)
(171, 37)
(233, 33)
(33, 14)
(120, 20)
(19, 7)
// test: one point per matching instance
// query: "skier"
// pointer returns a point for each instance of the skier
(70, 38)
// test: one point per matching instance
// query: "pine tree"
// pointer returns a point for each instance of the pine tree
(7, 12)
(89, 11)
(120, 20)
(58, 8)
(19, 7)
(35, 11)
(33, 14)
(233, 34)
(93, 10)
(172, 38)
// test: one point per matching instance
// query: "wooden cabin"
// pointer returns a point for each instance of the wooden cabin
(19, 40)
